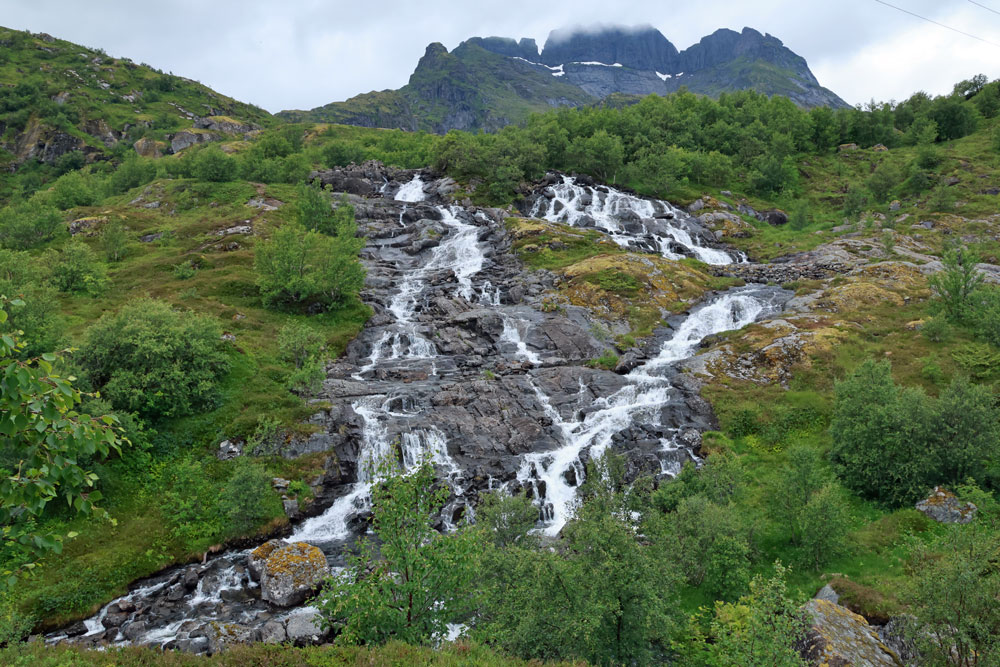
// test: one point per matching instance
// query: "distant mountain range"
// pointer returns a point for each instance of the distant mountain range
(487, 83)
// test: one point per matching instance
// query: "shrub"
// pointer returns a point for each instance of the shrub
(74, 189)
(78, 269)
(114, 241)
(854, 203)
(38, 319)
(893, 444)
(297, 267)
(28, 224)
(132, 173)
(190, 503)
(244, 500)
(211, 164)
(957, 283)
(150, 359)
(936, 330)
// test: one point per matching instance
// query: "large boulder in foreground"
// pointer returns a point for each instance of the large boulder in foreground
(838, 636)
(943, 506)
(288, 573)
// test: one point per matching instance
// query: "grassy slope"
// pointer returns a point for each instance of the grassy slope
(104, 559)
(94, 86)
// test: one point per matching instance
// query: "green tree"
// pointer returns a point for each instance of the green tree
(883, 182)
(879, 435)
(415, 580)
(296, 267)
(37, 323)
(211, 164)
(28, 224)
(763, 628)
(854, 203)
(151, 359)
(957, 283)
(798, 216)
(46, 444)
(244, 499)
(78, 269)
(953, 596)
(74, 189)
(601, 155)
(131, 173)
(114, 241)
(603, 597)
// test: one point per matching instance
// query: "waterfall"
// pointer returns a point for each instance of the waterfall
(412, 192)
(609, 209)
(559, 472)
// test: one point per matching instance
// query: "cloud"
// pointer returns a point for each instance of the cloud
(306, 53)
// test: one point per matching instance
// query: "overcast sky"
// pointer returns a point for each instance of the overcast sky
(299, 54)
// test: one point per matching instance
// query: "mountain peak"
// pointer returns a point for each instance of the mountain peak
(639, 47)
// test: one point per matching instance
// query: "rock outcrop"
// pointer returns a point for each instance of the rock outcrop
(838, 636)
(944, 507)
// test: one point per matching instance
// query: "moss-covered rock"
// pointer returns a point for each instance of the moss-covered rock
(838, 636)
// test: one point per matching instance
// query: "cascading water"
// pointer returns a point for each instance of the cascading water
(607, 209)
(554, 476)
(412, 192)
(394, 425)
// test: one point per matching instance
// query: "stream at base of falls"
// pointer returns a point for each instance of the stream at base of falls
(463, 364)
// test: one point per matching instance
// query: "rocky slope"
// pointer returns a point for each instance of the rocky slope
(477, 362)
(486, 83)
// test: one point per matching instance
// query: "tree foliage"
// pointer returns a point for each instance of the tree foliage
(414, 581)
(297, 267)
(151, 359)
(46, 450)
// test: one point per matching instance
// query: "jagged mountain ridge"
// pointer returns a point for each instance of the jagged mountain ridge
(486, 83)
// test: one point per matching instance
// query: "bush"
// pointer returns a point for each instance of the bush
(78, 269)
(244, 500)
(114, 241)
(150, 359)
(211, 164)
(936, 330)
(893, 444)
(957, 283)
(296, 267)
(132, 173)
(190, 503)
(28, 224)
(854, 203)
(74, 189)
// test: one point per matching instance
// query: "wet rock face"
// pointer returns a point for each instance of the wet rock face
(288, 573)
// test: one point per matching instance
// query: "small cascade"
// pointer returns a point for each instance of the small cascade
(413, 191)
(512, 336)
(554, 476)
(623, 217)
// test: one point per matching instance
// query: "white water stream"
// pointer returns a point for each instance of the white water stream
(553, 475)
(608, 207)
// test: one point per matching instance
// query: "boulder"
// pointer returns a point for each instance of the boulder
(223, 635)
(147, 147)
(288, 573)
(845, 148)
(186, 138)
(838, 636)
(229, 450)
(944, 507)
(776, 217)
(304, 626)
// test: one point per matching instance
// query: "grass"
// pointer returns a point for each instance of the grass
(392, 654)
(105, 558)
